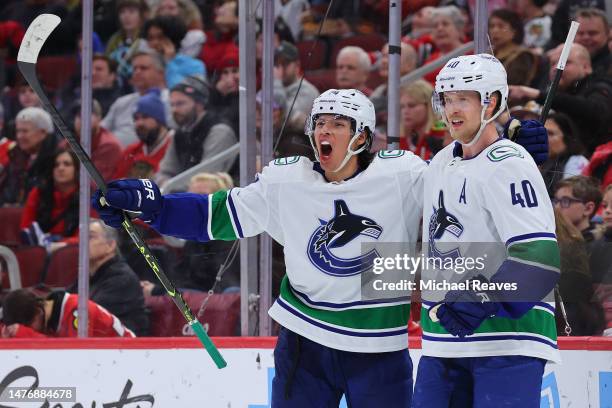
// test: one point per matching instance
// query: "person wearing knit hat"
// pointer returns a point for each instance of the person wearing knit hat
(201, 133)
(153, 134)
(227, 72)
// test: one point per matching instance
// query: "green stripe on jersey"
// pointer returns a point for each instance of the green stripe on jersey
(221, 224)
(545, 252)
(535, 321)
(372, 318)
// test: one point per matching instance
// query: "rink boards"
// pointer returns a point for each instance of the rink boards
(177, 372)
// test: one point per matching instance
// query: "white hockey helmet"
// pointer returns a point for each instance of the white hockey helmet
(482, 73)
(349, 103)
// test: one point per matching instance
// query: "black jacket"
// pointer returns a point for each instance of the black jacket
(116, 287)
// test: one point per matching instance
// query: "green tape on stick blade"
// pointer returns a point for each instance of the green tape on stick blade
(208, 344)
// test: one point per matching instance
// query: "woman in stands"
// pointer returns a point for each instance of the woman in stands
(54, 204)
(420, 132)
(506, 32)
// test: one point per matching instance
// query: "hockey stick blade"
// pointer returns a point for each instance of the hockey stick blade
(34, 39)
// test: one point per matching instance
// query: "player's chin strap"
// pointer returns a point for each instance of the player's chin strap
(483, 124)
(350, 152)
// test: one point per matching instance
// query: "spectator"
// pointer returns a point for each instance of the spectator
(31, 158)
(536, 23)
(200, 134)
(221, 35)
(27, 315)
(353, 68)
(11, 34)
(600, 165)
(448, 35)
(113, 284)
(148, 73)
(201, 260)
(153, 132)
(419, 130)
(224, 98)
(5, 144)
(25, 98)
(379, 97)
(506, 34)
(105, 147)
(291, 11)
(565, 152)
(126, 42)
(189, 13)
(577, 198)
(563, 15)
(582, 96)
(54, 204)
(593, 35)
(288, 71)
(601, 261)
(584, 315)
(164, 34)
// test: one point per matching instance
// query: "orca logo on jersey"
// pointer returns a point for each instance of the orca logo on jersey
(442, 221)
(343, 228)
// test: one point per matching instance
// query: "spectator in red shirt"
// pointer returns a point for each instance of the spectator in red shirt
(54, 204)
(447, 35)
(27, 315)
(221, 36)
(152, 130)
(105, 148)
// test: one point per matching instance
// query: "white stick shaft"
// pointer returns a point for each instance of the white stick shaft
(568, 45)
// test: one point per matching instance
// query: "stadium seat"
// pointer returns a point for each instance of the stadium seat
(63, 267)
(220, 317)
(322, 79)
(318, 58)
(369, 42)
(10, 217)
(374, 80)
(55, 71)
(31, 260)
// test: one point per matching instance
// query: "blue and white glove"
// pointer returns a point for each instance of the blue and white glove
(530, 134)
(140, 196)
(462, 312)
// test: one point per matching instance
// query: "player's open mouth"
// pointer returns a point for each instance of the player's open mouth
(325, 149)
(456, 123)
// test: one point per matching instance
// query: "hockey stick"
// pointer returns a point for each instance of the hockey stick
(33, 41)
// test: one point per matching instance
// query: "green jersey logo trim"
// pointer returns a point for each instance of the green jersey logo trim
(284, 161)
(389, 154)
(503, 152)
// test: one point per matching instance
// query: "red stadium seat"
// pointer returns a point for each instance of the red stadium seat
(63, 267)
(369, 42)
(220, 317)
(322, 79)
(31, 260)
(10, 217)
(55, 71)
(319, 55)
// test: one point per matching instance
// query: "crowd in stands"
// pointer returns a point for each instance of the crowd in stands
(165, 86)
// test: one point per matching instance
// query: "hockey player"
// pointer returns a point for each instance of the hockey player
(27, 315)
(331, 342)
(485, 345)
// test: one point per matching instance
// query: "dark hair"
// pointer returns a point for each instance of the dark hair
(539, 3)
(20, 306)
(583, 188)
(366, 156)
(173, 28)
(111, 63)
(515, 22)
(570, 133)
(46, 204)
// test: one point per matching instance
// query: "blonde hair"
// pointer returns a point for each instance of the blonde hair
(421, 92)
(223, 180)
(188, 12)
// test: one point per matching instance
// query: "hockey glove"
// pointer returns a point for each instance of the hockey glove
(141, 196)
(462, 312)
(530, 134)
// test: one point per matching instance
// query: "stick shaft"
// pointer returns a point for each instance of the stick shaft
(29, 72)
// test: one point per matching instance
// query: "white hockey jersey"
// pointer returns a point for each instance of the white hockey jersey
(495, 198)
(322, 226)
